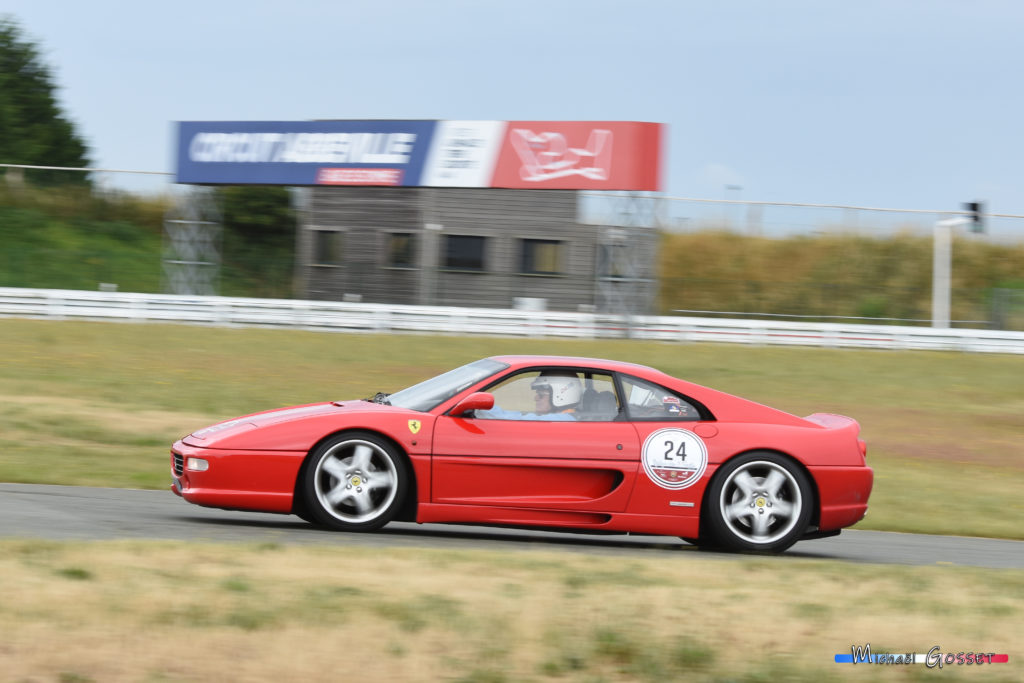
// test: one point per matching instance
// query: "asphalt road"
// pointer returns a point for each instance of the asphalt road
(79, 513)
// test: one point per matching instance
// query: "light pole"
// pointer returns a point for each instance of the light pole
(942, 269)
(725, 195)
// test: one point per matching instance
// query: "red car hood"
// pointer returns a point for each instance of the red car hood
(230, 428)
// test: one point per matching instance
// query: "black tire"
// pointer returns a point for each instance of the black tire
(355, 481)
(760, 502)
(308, 518)
(299, 510)
(704, 542)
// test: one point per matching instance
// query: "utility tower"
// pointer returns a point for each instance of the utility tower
(625, 256)
(192, 244)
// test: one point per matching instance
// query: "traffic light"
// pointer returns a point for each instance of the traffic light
(976, 214)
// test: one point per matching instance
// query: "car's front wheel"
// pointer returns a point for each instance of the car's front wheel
(759, 502)
(355, 482)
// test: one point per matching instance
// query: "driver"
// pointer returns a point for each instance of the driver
(556, 394)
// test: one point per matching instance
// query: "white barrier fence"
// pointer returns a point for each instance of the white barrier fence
(58, 304)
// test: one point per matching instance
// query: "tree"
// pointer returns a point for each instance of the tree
(33, 129)
(259, 239)
(258, 213)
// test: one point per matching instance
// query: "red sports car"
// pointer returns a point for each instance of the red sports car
(543, 441)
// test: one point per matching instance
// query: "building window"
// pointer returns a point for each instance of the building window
(401, 250)
(464, 252)
(541, 257)
(328, 247)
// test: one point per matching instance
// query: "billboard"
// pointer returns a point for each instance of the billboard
(563, 155)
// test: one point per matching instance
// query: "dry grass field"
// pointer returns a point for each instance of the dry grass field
(118, 611)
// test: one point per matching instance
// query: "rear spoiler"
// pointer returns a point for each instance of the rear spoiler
(831, 421)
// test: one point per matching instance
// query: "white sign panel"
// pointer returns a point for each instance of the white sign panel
(463, 154)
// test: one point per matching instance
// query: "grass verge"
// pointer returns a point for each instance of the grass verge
(138, 611)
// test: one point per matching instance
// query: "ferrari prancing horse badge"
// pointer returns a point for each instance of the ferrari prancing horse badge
(414, 426)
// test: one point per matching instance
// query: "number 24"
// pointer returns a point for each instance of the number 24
(681, 451)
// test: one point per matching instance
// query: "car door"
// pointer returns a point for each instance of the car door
(586, 461)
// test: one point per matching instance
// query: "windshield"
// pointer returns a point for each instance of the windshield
(429, 394)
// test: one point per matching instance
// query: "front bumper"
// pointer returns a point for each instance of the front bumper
(236, 479)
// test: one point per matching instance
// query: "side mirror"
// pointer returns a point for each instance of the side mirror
(479, 400)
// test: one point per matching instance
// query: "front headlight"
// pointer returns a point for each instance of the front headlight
(197, 465)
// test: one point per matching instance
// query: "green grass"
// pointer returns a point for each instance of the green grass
(71, 239)
(76, 254)
(100, 403)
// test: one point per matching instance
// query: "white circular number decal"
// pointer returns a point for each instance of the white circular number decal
(674, 458)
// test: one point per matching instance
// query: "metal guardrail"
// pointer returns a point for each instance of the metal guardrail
(59, 304)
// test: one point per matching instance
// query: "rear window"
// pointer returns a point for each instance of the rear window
(648, 401)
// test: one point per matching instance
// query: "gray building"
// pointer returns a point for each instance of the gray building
(467, 247)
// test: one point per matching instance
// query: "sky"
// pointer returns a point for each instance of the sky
(882, 103)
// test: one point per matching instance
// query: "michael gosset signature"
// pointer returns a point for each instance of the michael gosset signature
(935, 657)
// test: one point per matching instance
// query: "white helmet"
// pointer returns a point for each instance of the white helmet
(565, 387)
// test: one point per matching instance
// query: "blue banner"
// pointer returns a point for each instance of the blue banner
(378, 152)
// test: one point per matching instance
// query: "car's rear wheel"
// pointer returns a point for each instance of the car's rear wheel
(759, 501)
(355, 482)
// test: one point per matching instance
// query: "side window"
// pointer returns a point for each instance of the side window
(541, 257)
(464, 252)
(328, 247)
(554, 394)
(515, 393)
(647, 401)
(401, 250)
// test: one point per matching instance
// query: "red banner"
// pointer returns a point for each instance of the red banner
(580, 155)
